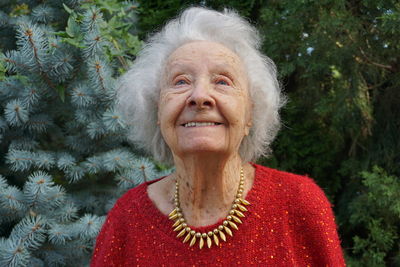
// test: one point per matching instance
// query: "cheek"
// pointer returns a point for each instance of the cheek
(169, 108)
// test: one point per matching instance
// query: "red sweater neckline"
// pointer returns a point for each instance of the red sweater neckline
(160, 221)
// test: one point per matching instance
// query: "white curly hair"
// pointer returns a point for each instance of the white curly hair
(139, 88)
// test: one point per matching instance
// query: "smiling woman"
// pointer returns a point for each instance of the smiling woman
(204, 103)
(200, 96)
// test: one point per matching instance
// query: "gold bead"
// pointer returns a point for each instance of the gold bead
(203, 235)
(222, 235)
(216, 240)
(234, 206)
(239, 195)
(233, 225)
(192, 241)
(228, 231)
(240, 190)
(180, 215)
(239, 213)
(244, 201)
(229, 217)
(173, 217)
(177, 222)
(184, 225)
(215, 231)
(201, 244)
(220, 228)
(198, 235)
(225, 223)
(172, 212)
(210, 233)
(237, 201)
(188, 229)
(182, 219)
(209, 242)
(192, 232)
(236, 219)
(187, 237)
(231, 212)
(179, 227)
(181, 233)
(242, 208)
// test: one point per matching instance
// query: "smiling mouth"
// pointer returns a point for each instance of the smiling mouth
(200, 124)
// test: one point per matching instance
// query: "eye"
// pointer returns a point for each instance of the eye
(222, 82)
(180, 82)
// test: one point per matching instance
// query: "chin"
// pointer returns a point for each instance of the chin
(202, 150)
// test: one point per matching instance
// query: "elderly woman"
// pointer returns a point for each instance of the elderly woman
(202, 97)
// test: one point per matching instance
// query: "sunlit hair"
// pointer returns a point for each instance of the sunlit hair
(139, 88)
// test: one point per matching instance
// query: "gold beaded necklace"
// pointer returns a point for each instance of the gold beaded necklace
(238, 207)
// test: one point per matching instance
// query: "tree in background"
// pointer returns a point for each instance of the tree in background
(64, 155)
(339, 65)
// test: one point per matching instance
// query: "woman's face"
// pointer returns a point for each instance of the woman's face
(204, 105)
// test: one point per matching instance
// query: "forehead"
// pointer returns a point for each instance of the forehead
(207, 52)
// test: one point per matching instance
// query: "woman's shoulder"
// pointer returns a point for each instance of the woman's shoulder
(293, 186)
(133, 199)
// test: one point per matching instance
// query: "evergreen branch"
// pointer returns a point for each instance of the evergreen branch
(127, 179)
(12, 60)
(20, 160)
(16, 113)
(30, 232)
(39, 190)
(367, 60)
(65, 161)
(27, 32)
(13, 254)
(59, 234)
(39, 123)
(112, 121)
(11, 199)
(74, 173)
(100, 77)
(88, 226)
(82, 96)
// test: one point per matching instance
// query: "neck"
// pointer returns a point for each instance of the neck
(207, 187)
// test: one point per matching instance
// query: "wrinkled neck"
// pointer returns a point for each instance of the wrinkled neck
(207, 187)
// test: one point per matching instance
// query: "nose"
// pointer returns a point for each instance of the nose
(200, 97)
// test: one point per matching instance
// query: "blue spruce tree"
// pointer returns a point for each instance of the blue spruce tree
(64, 157)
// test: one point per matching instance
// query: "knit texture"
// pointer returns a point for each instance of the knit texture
(289, 223)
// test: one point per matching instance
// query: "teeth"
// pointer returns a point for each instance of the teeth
(198, 124)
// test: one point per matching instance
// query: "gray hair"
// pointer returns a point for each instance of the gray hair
(139, 88)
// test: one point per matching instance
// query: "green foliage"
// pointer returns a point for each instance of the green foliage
(338, 64)
(376, 212)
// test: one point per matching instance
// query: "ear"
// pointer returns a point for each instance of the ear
(249, 117)
(248, 127)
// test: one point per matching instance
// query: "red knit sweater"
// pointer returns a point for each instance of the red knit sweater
(289, 223)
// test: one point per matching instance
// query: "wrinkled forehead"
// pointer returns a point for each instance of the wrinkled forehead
(208, 52)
